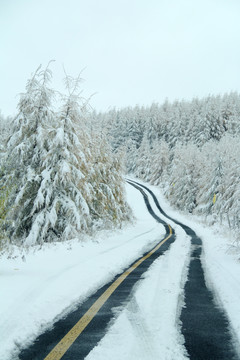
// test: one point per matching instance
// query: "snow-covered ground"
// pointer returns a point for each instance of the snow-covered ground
(57, 277)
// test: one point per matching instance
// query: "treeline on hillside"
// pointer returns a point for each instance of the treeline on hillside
(190, 148)
(58, 176)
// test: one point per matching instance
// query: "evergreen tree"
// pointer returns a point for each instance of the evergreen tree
(211, 190)
(228, 203)
(183, 187)
(60, 177)
(143, 161)
(159, 162)
(63, 193)
(190, 141)
(27, 147)
(108, 206)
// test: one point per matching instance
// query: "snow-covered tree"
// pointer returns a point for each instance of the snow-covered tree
(188, 147)
(228, 202)
(150, 125)
(27, 147)
(62, 181)
(160, 160)
(60, 208)
(143, 161)
(183, 187)
(4, 194)
(5, 129)
(108, 206)
(211, 189)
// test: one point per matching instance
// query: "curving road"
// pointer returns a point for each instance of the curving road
(205, 326)
(75, 335)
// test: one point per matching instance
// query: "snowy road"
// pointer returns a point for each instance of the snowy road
(205, 327)
(145, 323)
(72, 338)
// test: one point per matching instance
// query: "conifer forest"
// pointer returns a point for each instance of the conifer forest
(62, 164)
(188, 148)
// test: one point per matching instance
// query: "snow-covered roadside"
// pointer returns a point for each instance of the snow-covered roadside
(220, 261)
(58, 276)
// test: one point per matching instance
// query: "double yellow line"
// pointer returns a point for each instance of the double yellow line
(61, 348)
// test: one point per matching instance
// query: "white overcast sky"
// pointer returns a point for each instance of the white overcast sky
(134, 51)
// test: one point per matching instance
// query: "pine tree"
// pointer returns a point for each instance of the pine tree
(196, 154)
(150, 128)
(5, 128)
(159, 162)
(211, 187)
(62, 195)
(228, 204)
(4, 194)
(108, 206)
(143, 161)
(26, 148)
(183, 187)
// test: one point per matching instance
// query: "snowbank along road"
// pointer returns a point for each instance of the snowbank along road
(204, 326)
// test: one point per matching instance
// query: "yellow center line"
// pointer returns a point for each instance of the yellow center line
(61, 348)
